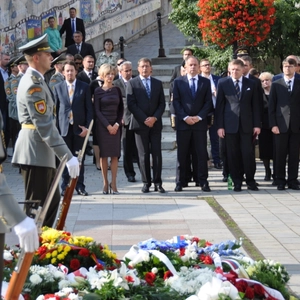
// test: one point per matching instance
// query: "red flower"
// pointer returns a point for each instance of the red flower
(241, 286)
(84, 252)
(99, 267)
(182, 251)
(42, 250)
(258, 290)
(206, 259)
(129, 278)
(195, 239)
(49, 296)
(249, 293)
(75, 264)
(167, 275)
(150, 277)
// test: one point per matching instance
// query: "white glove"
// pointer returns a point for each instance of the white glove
(73, 167)
(28, 235)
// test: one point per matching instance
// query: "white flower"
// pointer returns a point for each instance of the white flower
(41, 297)
(63, 284)
(7, 255)
(35, 279)
(154, 270)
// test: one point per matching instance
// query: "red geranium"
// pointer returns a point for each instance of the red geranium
(150, 277)
(224, 22)
(74, 264)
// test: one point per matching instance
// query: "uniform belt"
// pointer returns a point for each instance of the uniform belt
(28, 126)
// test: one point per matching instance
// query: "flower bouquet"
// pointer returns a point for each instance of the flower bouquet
(182, 267)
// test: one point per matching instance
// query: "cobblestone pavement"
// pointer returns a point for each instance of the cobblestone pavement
(269, 218)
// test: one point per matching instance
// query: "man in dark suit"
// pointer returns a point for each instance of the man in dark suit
(74, 114)
(70, 26)
(128, 141)
(238, 118)
(177, 70)
(80, 47)
(4, 60)
(192, 101)
(297, 75)
(205, 69)
(146, 102)
(87, 74)
(284, 119)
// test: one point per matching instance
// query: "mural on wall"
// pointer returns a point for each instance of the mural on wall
(18, 24)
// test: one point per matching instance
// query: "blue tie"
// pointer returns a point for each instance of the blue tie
(237, 88)
(73, 25)
(147, 88)
(193, 88)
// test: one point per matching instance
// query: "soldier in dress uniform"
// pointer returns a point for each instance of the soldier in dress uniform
(12, 216)
(57, 77)
(15, 126)
(39, 140)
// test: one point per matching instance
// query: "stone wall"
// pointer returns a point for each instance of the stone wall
(23, 20)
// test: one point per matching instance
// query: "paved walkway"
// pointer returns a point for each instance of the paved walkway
(269, 218)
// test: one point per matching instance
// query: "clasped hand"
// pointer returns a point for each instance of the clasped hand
(192, 120)
(113, 129)
(150, 121)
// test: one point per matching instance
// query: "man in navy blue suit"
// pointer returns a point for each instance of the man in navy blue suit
(74, 114)
(192, 101)
(238, 119)
(205, 69)
(297, 67)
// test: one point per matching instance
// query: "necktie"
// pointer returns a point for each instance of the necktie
(193, 87)
(289, 86)
(147, 88)
(73, 25)
(71, 93)
(237, 89)
(78, 48)
(90, 76)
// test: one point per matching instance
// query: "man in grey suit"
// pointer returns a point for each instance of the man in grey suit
(75, 112)
(39, 140)
(146, 102)
(284, 119)
(128, 141)
(238, 119)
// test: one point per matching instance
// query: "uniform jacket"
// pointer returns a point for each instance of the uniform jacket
(231, 113)
(284, 107)
(141, 106)
(82, 107)
(67, 27)
(37, 147)
(12, 101)
(185, 105)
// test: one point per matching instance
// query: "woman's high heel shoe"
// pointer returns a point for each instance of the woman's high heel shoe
(105, 191)
(111, 191)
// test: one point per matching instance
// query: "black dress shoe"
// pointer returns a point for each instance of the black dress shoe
(205, 187)
(252, 187)
(159, 188)
(62, 192)
(82, 192)
(185, 185)
(281, 187)
(178, 188)
(237, 188)
(294, 186)
(225, 179)
(218, 166)
(131, 179)
(145, 188)
(197, 184)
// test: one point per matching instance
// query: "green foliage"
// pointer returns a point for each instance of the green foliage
(284, 38)
(184, 16)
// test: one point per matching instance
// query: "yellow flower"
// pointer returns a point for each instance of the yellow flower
(48, 255)
(53, 260)
(60, 256)
(60, 248)
(54, 253)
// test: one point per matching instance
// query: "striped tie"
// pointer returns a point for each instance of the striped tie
(147, 88)
(237, 89)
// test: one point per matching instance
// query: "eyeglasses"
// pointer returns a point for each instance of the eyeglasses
(207, 65)
(78, 63)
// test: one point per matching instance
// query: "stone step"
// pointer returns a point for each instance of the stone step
(168, 140)
(163, 70)
(167, 124)
(171, 59)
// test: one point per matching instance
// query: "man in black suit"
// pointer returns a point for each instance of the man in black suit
(128, 141)
(4, 60)
(238, 118)
(192, 101)
(87, 74)
(146, 101)
(177, 70)
(80, 47)
(70, 26)
(297, 75)
(284, 119)
(74, 114)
